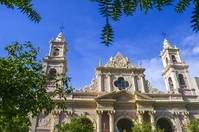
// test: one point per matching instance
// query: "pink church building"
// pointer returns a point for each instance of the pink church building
(120, 94)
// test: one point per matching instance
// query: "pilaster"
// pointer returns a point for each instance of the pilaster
(56, 115)
(189, 86)
(111, 120)
(99, 120)
(186, 117)
(177, 120)
(133, 82)
(108, 75)
(151, 114)
(69, 114)
(99, 76)
(142, 83)
(140, 115)
(175, 80)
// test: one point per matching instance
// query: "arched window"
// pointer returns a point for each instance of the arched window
(181, 79)
(164, 125)
(170, 82)
(124, 125)
(173, 58)
(52, 73)
(56, 52)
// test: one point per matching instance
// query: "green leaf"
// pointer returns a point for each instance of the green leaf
(181, 6)
(23, 84)
(116, 12)
(195, 18)
(24, 6)
(107, 34)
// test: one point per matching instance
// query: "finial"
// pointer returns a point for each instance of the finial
(60, 37)
(111, 58)
(139, 64)
(61, 27)
(100, 62)
(166, 44)
(163, 34)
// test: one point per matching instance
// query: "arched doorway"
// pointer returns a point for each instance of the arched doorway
(124, 124)
(164, 124)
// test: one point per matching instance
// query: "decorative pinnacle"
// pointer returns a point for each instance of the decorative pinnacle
(166, 44)
(100, 62)
(139, 64)
(60, 37)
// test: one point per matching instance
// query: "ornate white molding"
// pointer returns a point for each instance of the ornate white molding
(111, 112)
(152, 112)
(151, 89)
(68, 113)
(98, 73)
(45, 120)
(119, 62)
(92, 88)
(99, 112)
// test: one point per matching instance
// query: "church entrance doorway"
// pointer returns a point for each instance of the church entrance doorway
(164, 124)
(124, 124)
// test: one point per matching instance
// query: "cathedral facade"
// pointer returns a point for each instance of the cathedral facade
(120, 94)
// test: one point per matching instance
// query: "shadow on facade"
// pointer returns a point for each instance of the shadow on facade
(124, 124)
(164, 124)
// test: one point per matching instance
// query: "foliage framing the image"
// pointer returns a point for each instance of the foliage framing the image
(192, 126)
(79, 124)
(23, 6)
(22, 88)
(114, 9)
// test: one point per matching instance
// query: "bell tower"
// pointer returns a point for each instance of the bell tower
(175, 71)
(55, 61)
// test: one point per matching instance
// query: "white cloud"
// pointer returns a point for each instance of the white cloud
(190, 53)
(196, 50)
(193, 67)
(153, 73)
(191, 40)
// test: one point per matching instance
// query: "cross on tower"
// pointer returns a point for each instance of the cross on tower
(61, 28)
(163, 34)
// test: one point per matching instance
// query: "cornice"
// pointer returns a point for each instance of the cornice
(102, 68)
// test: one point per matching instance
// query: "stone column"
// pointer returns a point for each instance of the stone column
(140, 115)
(99, 77)
(175, 80)
(111, 120)
(108, 75)
(142, 83)
(69, 114)
(133, 82)
(188, 80)
(151, 114)
(56, 114)
(99, 120)
(186, 116)
(178, 124)
(186, 119)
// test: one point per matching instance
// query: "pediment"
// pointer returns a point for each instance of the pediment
(124, 96)
(142, 97)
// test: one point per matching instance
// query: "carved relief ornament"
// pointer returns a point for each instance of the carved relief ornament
(119, 62)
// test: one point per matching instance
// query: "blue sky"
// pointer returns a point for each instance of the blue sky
(137, 37)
